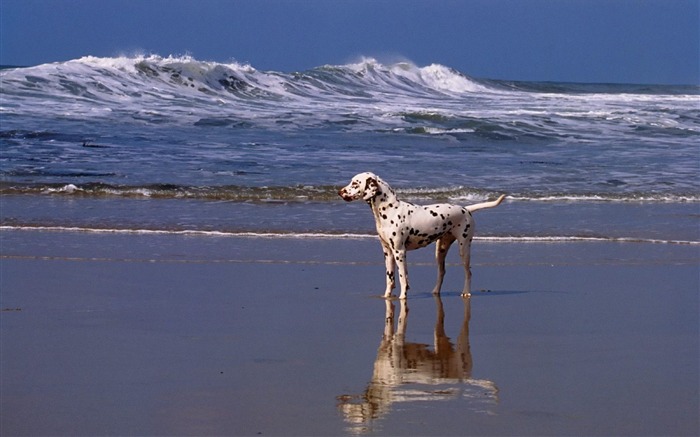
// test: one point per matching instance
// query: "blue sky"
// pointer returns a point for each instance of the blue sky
(623, 41)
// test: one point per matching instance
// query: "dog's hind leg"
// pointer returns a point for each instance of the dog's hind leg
(441, 248)
(465, 254)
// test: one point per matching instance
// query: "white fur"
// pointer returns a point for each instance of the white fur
(404, 226)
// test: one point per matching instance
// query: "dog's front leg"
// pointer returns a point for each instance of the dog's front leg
(400, 257)
(390, 267)
(441, 248)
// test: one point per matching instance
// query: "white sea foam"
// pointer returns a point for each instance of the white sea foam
(68, 189)
(443, 78)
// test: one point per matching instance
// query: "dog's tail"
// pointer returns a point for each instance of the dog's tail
(478, 206)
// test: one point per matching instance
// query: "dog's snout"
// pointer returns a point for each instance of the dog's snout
(344, 195)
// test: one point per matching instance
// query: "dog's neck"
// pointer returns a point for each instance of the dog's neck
(383, 200)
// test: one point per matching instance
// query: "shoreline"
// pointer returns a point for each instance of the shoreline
(171, 334)
(338, 235)
(515, 220)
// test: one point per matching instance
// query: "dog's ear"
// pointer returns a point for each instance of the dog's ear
(371, 188)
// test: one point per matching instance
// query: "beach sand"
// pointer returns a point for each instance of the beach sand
(111, 334)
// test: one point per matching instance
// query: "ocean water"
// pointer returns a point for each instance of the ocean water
(150, 144)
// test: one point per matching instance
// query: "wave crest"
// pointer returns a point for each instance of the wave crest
(105, 79)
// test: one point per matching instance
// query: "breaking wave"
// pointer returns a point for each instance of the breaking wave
(152, 80)
(366, 95)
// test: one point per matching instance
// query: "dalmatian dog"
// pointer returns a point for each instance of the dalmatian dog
(403, 226)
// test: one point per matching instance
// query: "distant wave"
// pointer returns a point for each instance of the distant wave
(332, 235)
(141, 77)
(153, 77)
(318, 193)
(366, 95)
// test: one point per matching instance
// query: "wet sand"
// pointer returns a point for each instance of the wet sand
(108, 334)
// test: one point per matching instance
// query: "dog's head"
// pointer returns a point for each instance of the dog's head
(363, 186)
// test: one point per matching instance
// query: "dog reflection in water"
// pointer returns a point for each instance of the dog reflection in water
(408, 372)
